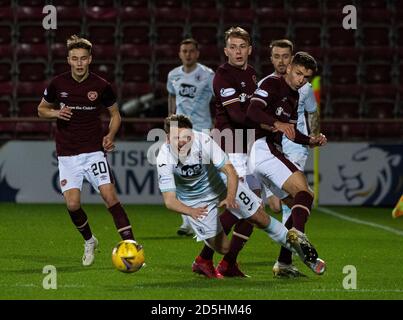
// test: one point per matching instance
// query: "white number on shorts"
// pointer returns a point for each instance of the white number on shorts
(98, 168)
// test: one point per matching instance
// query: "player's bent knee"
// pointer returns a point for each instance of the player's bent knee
(73, 205)
(260, 219)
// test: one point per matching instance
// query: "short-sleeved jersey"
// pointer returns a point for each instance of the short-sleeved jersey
(197, 179)
(306, 104)
(87, 99)
(193, 93)
(233, 88)
(280, 102)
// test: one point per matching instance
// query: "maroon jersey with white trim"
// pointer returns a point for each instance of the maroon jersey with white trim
(233, 88)
(83, 133)
(279, 101)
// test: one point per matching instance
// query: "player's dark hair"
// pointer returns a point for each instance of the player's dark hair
(178, 121)
(281, 43)
(190, 41)
(75, 42)
(237, 32)
(304, 59)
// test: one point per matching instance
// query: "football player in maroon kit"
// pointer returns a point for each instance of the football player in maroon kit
(76, 99)
(274, 106)
(234, 84)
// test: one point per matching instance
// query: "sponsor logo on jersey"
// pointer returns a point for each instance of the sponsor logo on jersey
(92, 95)
(226, 92)
(187, 90)
(243, 84)
(261, 92)
(191, 170)
(279, 111)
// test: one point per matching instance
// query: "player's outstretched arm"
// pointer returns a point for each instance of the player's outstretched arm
(172, 203)
(232, 186)
(46, 110)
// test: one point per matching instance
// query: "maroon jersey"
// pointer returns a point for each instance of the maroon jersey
(83, 133)
(274, 100)
(233, 89)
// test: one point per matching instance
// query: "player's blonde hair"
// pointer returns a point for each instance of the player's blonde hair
(237, 32)
(75, 42)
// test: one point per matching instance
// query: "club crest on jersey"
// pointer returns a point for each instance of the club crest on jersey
(226, 92)
(63, 182)
(254, 79)
(92, 95)
(279, 111)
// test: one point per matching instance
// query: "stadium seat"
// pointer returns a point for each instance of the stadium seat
(31, 89)
(167, 52)
(104, 52)
(307, 35)
(376, 72)
(339, 37)
(169, 34)
(5, 3)
(66, 14)
(31, 3)
(211, 52)
(102, 33)
(67, 3)
(27, 50)
(345, 108)
(6, 89)
(267, 33)
(6, 71)
(272, 4)
(238, 16)
(307, 4)
(28, 107)
(105, 69)
(6, 15)
(272, 15)
(383, 54)
(101, 3)
(64, 31)
(241, 4)
(59, 66)
(343, 74)
(204, 15)
(136, 34)
(336, 4)
(343, 54)
(131, 13)
(135, 51)
(32, 70)
(376, 16)
(100, 14)
(374, 4)
(33, 130)
(170, 14)
(376, 36)
(205, 34)
(135, 72)
(135, 3)
(307, 16)
(162, 70)
(31, 33)
(6, 51)
(5, 107)
(380, 109)
(134, 89)
(5, 33)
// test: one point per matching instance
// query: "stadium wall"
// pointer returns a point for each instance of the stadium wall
(350, 174)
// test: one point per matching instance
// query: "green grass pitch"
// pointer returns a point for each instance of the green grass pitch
(34, 236)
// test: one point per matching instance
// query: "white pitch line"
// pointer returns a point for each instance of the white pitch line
(359, 221)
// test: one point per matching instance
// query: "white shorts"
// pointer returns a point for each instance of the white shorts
(209, 226)
(299, 159)
(240, 163)
(271, 167)
(91, 166)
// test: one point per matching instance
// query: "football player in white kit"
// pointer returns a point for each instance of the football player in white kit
(189, 166)
(190, 90)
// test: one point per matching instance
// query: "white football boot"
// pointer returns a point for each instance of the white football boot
(89, 251)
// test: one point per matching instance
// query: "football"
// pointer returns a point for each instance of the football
(128, 256)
